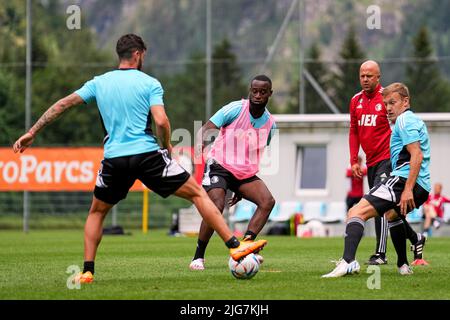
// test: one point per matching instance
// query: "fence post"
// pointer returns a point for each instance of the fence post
(145, 210)
(114, 216)
(26, 211)
(26, 200)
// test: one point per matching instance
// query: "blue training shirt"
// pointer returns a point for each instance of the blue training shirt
(408, 129)
(124, 98)
(230, 112)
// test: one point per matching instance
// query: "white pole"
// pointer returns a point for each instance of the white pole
(301, 43)
(26, 200)
(208, 62)
(330, 104)
(114, 216)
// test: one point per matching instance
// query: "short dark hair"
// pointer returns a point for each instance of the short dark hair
(129, 43)
(262, 77)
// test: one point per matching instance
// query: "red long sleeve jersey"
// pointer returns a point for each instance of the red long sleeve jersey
(369, 127)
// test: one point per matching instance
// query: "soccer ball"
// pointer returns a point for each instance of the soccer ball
(246, 268)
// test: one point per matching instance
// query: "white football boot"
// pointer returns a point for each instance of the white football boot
(197, 264)
(405, 270)
(343, 268)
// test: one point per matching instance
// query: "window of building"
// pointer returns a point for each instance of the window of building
(311, 167)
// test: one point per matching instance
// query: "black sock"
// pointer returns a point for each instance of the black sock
(249, 235)
(201, 248)
(232, 243)
(353, 234)
(88, 266)
(398, 235)
(410, 233)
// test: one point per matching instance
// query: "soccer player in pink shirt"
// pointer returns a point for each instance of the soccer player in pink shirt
(246, 127)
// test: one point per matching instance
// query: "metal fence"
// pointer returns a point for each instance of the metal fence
(70, 209)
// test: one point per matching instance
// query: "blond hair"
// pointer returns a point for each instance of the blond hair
(398, 87)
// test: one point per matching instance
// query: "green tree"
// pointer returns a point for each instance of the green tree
(226, 74)
(428, 89)
(185, 93)
(12, 69)
(345, 81)
(313, 102)
(62, 61)
(65, 70)
(11, 118)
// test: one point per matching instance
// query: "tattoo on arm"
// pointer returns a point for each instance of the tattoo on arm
(55, 111)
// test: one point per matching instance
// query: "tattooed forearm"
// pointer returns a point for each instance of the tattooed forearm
(51, 114)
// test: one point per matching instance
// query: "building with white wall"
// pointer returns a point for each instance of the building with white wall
(313, 155)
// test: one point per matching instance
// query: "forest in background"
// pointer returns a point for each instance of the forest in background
(412, 46)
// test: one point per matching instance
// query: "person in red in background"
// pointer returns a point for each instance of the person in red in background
(356, 191)
(433, 209)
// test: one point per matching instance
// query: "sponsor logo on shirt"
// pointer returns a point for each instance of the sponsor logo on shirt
(368, 120)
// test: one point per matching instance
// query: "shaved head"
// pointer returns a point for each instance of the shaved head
(372, 66)
(369, 75)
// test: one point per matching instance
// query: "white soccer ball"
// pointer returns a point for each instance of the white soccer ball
(246, 268)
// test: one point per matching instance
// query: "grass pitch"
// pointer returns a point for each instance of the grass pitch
(155, 266)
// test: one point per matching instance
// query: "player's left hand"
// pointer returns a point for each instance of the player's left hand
(198, 152)
(356, 171)
(23, 142)
(406, 202)
(236, 198)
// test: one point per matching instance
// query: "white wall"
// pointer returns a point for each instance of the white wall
(332, 130)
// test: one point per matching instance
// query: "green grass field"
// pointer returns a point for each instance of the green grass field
(155, 266)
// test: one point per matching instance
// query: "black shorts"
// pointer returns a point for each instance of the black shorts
(378, 173)
(351, 201)
(216, 176)
(154, 169)
(386, 195)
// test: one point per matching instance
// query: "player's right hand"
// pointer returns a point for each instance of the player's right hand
(356, 170)
(23, 142)
(236, 198)
(406, 202)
